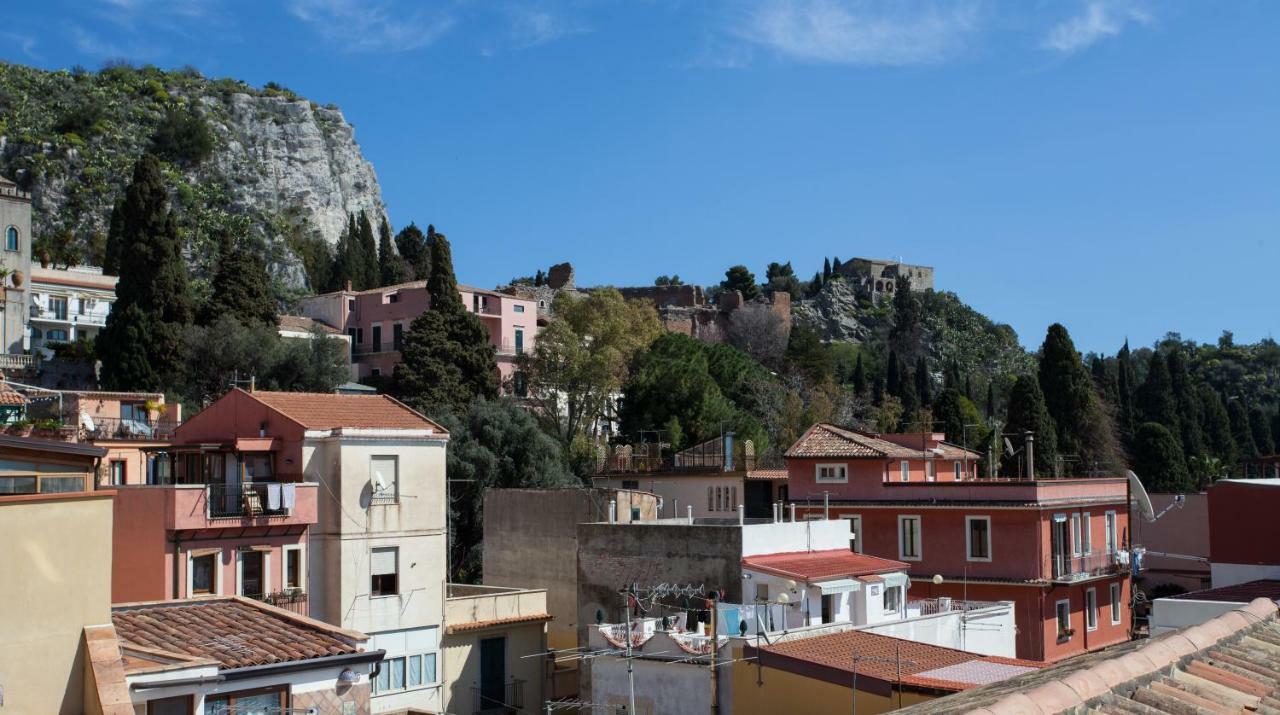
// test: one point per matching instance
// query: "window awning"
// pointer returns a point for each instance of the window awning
(893, 580)
(843, 585)
(256, 444)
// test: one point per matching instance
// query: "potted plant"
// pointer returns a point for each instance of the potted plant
(1065, 633)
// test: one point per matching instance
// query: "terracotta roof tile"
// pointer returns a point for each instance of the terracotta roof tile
(922, 665)
(827, 440)
(234, 632)
(321, 411)
(819, 565)
(10, 397)
(1239, 593)
(769, 474)
(494, 622)
(303, 324)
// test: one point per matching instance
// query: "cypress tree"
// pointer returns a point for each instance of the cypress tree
(415, 251)
(1187, 403)
(924, 382)
(826, 270)
(859, 376)
(368, 246)
(815, 285)
(142, 344)
(391, 266)
(447, 360)
(1260, 426)
(115, 235)
(1126, 385)
(1028, 412)
(1155, 398)
(1158, 460)
(1083, 427)
(1216, 426)
(835, 266)
(991, 400)
(893, 374)
(1241, 430)
(905, 334)
(241, 288)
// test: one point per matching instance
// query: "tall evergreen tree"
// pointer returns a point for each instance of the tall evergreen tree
(1155, 398)
(1216, 426)
(115, 236)
(142, 344)
(1187, 403)
(1158, 460)
(826, 270)
(835, 266)
(1261, 428)
(370, 275)
(1027, 413)
(991, 400)
(1126, 386)
(415, 249)
(1241, 430)
(447, 360)
(859, 377)
(924, 382)
(905, 336)
(893, 374)
(241, 288)
(390, 265)
(1084, 428)
(742, 280)
(815, 285)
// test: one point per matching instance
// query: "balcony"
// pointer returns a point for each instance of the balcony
(511, 349)
(204, 507)
(471, 607)
(293, 599)
(246, 500)
(508, 698)
(114, 428)
(621, 463)
(1068, 568)
(933, 606)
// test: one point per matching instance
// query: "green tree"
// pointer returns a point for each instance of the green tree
(859, 376)
(141, 345)
(1156, 402)
(415, 249)
(826, 270)
(1158, 460)
(1260, 426)
(1083, 426)
(1187, 402)
(1216, 426)
(959, 418)
(742, 280)
(906, 336)
(924, 382)
(447, 360)
(241, 287)
(665, 280)
(781, 278)
(814, 287)
(582, 357)
(495, 444)
(115, 237)
(391, 267)
(1241, 430)
(183, 137)
(368, 248)
(808, 356)
(1126, 387)
(1027, 412)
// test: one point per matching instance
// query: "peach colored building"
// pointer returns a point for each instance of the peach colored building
(132, 426)
(1057, 548)
(376, 320)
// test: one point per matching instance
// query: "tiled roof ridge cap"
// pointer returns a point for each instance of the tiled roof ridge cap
(1077, 688)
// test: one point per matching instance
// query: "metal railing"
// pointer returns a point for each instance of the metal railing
(511, 349)
(512, 699)
(116, 428)
(244, 500)
(291, 599)
(622, 463)
(932, 606)
(1074, 567)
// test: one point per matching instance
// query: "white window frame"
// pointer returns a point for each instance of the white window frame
(284, 566)
(931, 470)
(1117, 592)
(955, 467)
(399, 581)
(855, 528)
(375, 690)
(217, 576)
(1075, 533)
(968, 537)
(884, 599)
(266, 572)
(391, 496)
(1086, 534)
(904, 470)
(918, 532)
(711, 499)
(836, 467)
(1091, 609)
(1109, 521)
(1058, 621)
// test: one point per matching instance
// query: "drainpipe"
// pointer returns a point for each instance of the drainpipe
(741, 515)
(826, 505)
(793, 512)
(613, 511)
(1031, 455)
(690, 508)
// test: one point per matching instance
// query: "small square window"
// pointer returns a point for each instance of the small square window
(832, 473)
(385, 571)
(519, 308)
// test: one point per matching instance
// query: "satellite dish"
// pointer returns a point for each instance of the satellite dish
(379, 485)
(1008, 447)
(1138, 493)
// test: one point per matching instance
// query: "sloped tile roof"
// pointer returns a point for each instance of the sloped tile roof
(813, 566)
(322, 410)
(495, 622)
(10, 397)
(922, 665)
(234, 632)
(303, 324)
(824, 440)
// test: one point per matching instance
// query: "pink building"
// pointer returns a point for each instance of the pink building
(377, 319)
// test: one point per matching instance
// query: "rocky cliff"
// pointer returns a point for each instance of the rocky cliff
(280, 168)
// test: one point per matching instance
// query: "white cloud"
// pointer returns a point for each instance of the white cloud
(371, 26)
(531, 27)
(862, 32)
(26, 43)
(1098, 20)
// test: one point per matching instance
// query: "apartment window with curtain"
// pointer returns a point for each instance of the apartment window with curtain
(384, 569)
(1086, 534)
(1115, 604)
(909, 546)
(1076, 538)
(978, 538)
(384, 473)
(1110, 524)
(1063, 611)
(832, 473)
(959, 470)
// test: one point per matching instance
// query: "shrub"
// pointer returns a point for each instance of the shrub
(183, 137)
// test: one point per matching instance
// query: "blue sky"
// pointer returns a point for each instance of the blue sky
(1113, 165)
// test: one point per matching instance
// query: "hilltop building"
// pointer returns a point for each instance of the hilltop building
(1057, 548)
(15, 232)
(876, 279)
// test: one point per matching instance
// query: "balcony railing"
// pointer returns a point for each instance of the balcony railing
(245, 500)
(11, 361)
(511, 349)
(683, 462)
(1076, 567)
(116, 428)
(291, 599)
(511, 699)
(933, 606)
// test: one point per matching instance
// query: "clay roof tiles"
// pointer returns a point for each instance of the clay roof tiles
(922, 665)
(303, 324)
(813, 566)
(825, 440)
(231, 631)
(326, 411)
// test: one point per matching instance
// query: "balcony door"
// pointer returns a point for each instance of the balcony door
(493, 674)
(1060, 533)
(252, 570)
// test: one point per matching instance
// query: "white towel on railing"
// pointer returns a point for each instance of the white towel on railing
(273, 497)
(287, 492)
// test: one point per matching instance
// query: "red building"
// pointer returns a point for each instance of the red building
(1055, 547)
(1242, 531)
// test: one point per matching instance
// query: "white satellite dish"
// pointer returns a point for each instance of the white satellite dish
(1138, 493)
(1008, 447)
(379, 486)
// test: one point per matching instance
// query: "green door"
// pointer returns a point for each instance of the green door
(493, 673)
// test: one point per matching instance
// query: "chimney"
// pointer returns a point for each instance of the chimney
(348, 286)
(690, 514)
(742, 513)
(1031, 455)
(793, 512)
(613, 511)
(728, 451)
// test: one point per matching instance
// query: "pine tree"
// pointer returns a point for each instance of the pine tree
(447, 360)
(241, 288)
(115, 235)
(826, 270)
(370, 274)
(1158, 460)
(415, 250)
(1084, 427)
(1216, 426)
(742, 280)
(924, 382)
(1187, 403)
(1027, 412)
(390, 265)
(142, 344)
(859, 377)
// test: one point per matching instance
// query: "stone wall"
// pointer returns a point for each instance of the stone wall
(686, 296)
(876, 278)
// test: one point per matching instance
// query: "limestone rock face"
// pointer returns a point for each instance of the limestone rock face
(833, 313)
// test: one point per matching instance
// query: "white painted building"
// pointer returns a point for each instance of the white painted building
(67, 305)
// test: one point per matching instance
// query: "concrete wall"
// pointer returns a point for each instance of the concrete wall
(661, 688)
(678, 492)
(462, 650)
(57, 564)
(785, 536)
(1170, 614)
(989, 631)
(1183, 531)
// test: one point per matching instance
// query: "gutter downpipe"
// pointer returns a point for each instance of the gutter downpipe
(202, 680)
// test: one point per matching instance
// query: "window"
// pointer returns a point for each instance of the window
(542, 304)
(1115, 604)
(384, 473)
(57, 335)
(351, 333)
(58, 307)
(384, 563)
(909, 538)
(519, 346)
(711, 506)
(375, 371)
(203, 568)
(257, 466)
(405, 673)
(1110, 524)
(733, 498)
(1091, 609)
(248, 702)
(978, 538)
(519, 308)
(520, 384)
(1086, 529)
(351, 305)
(253, 573)
(959, 470)
(892, 599)
(377, 338)
(135, 412)
(933, 470)
(905, 470)
(118, 467)
(397, 336)
(177, 705)
(393, 297)
(1075, 535)
(1064, 619)
(855, 532)
(632, 484)
(832, 473)
(11, 239)
(635, 513)
(360, 336)
(293, 569)
(719, 499)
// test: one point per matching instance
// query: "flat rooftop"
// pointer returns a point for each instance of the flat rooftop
(1239, 593)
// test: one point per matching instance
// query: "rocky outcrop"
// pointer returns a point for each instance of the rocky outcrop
(834, 314)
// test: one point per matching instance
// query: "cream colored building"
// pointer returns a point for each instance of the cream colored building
(493, 638)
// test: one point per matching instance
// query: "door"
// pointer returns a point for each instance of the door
(251, 573)
(493, 673)
(519, 341)
(829, 608)
(756, 493)
(377, 338)
(1060, 544)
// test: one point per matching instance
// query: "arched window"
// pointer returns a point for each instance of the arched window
(11, 239)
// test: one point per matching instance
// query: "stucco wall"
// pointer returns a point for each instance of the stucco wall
(462, 665)
(988, 631)
(661, 688)
(57, 561)
(1169, 614)
(1183, 531)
